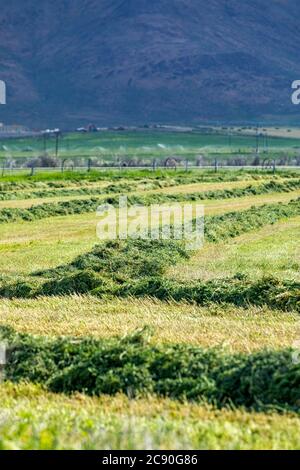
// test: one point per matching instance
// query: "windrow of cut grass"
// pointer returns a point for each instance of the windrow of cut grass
(81, 206)
(109, 265)
(42, 211)
(239, 290)
(260, 381)
(94, 190)
(230, 193)
(64, 192)
(136, 267)
(98, 189)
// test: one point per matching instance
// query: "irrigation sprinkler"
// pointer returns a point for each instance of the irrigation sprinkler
(49, 133)
(265, 164)
(216, 165)
(269, 164)
(45, 136)
(63, 162)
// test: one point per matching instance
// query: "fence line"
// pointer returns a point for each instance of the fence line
(9, 171)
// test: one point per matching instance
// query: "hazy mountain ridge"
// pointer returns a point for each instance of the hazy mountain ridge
(70, 61)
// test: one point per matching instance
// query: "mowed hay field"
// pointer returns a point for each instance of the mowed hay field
(133, 344)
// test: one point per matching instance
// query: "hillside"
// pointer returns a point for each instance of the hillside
(69, 62)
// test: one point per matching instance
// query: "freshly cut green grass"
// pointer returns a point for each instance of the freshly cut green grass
(224, 193)
(236, 329)
(93, 189)
(28, 197)
(31, 418)
(29, 246)
(85, 205)
(50, 209)
(222, 206)
(239, 290)
(205, 186)
(32, 188)
(137, 267)
(232, 224)
(27, 204)
(258, 381)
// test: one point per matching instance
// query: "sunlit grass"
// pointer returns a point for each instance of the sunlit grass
(31, 418)
(272, 250)
(235, 328)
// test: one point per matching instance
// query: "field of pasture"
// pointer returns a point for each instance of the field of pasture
(134, 344)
